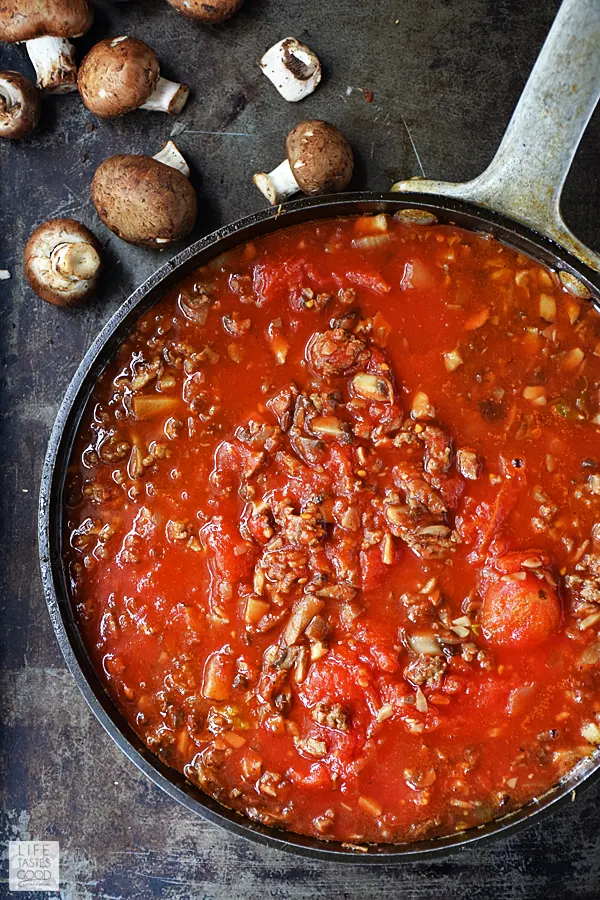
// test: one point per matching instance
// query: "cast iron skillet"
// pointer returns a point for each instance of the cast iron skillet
(517, 201)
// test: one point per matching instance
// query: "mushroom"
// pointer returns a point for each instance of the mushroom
(121, 74)
(62, 261)
(146, 200)
(211, 11)
(293, 68)
(45, 28)
(19, 105)
(319, 161)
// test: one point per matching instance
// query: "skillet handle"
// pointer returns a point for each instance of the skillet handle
(525, 179)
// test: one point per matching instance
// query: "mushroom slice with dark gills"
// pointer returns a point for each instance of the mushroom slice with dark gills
(336, 353)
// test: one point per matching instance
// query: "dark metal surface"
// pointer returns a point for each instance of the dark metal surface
(445, 80)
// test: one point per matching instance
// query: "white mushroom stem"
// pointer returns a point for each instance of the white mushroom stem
(76, 261)
(168, 97)
(54, 62)
(170, 156)
(293, 68)
(277, 185)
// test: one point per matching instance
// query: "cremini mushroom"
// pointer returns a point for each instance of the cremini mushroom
(146, 200)
(211, 11)
(319, 161)
(62, 261)
(121, 74)
(45, 28)
(293, 68)
(19, 105)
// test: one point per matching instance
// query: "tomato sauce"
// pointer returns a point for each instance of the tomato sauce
(333, 529)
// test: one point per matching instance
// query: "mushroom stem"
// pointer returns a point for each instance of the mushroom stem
(170, 156)
(168, 97)
(293, 68)
(54, 62)
(277, 185)
(75, 261)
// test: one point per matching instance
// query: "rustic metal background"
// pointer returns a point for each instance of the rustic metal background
(445, 76)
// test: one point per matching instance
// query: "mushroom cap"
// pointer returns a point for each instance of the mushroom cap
(19, 105)
(320, 157)
(84, 259)
(117, 76)
(144, 201)
(24, 20)
(212, 11)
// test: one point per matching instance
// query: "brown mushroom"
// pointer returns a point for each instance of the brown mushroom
(62, 261)
(146, 200)
(319, 161)
(211, 11)
(45, 28)
(19, 105)
(121, 74)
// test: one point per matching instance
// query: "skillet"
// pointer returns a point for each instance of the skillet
(517, 200)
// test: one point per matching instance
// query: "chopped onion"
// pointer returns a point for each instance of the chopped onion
(421, 407)
(370, 806)
(589, 621)
(477, 320)
(591, 655)
(573, 309)
(547, 307)
(573, 359)
(453, 360)
(384, 712)
(371, 240)
(591, 733)
(424, 643)
(371, 224)
(421, 702)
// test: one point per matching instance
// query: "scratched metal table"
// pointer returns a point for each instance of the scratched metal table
(445, 76)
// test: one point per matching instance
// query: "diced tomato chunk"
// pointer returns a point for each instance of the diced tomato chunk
(233, 558)
(523, 613)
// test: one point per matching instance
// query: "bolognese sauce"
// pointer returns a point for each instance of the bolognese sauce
(333, 529)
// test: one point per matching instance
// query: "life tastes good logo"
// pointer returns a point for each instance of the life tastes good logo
(33, 865)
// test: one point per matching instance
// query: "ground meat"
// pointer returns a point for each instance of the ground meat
(438, 447)
(426, 670)
(284, 566)
(431, 541)
(304, 530)
(426, 536)
(332, 715)
(336, 352)
(585, 586)
(417, 491)
(282, 405)
(111, 448)
(259, 435)
(467, 463)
